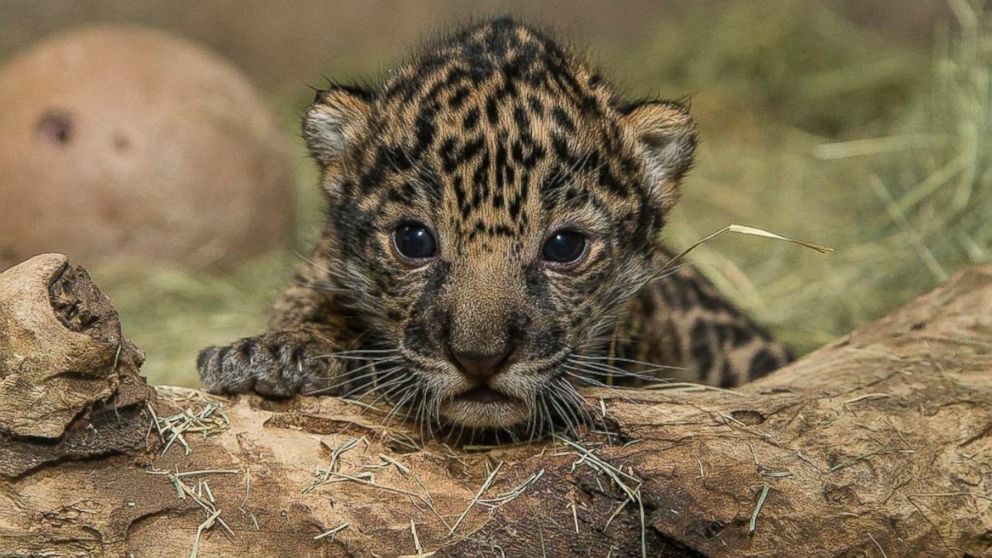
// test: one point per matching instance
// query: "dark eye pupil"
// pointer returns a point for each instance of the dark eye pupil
(414, 241)
(564, 247)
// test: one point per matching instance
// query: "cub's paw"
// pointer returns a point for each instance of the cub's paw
(280, 364)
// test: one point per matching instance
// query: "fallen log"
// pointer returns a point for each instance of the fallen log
(876, 445)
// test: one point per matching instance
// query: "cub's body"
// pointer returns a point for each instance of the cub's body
(491, 242)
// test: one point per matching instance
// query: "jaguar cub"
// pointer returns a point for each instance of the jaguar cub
(491, 242)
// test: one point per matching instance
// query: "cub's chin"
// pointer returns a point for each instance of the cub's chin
(484, 408)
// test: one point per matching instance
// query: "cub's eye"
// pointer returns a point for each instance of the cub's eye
(414, 242)
(565, 247)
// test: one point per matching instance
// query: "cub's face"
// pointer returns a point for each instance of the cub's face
(490, 211)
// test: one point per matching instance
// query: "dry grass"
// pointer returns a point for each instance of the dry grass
(904, 206)
(173, 314)
(812, 128)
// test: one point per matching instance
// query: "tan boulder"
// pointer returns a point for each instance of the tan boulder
(125, 142)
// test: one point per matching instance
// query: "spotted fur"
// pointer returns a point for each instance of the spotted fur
(494, 137)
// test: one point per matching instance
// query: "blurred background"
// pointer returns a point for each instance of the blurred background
(859, 124)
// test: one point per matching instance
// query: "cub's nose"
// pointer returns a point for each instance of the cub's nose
(482, 366)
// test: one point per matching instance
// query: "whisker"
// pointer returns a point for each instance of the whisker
(566, 410)
(628, 360)
(608, 373)
(385, 375)
(529, 428)
(665, 273)
(363, 351)
(590, 381)
(597, 383)
(542, 415)
(397, 407)
(349, 377)
(571, 412)
(419, 420)
(561, 413)
(386, 395)
(356, 357)
(589, 414)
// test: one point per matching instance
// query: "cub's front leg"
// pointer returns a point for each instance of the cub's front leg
(296, 355)
(276, 363)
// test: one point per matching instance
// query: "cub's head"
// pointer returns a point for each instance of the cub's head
(492, 203)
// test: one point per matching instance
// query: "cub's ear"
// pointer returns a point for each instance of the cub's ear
(666, 132)
(333, 120)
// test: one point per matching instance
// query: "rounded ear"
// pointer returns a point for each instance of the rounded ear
(667, 134)
(333, 120)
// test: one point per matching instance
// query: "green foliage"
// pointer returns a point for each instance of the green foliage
(933, 178)
(904, 208)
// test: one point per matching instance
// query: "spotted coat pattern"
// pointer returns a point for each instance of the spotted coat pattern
(494, 138)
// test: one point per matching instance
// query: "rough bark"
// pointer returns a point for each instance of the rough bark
(877, 445)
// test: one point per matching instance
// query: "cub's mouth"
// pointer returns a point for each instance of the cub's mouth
(482, 393)
(483, 406)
